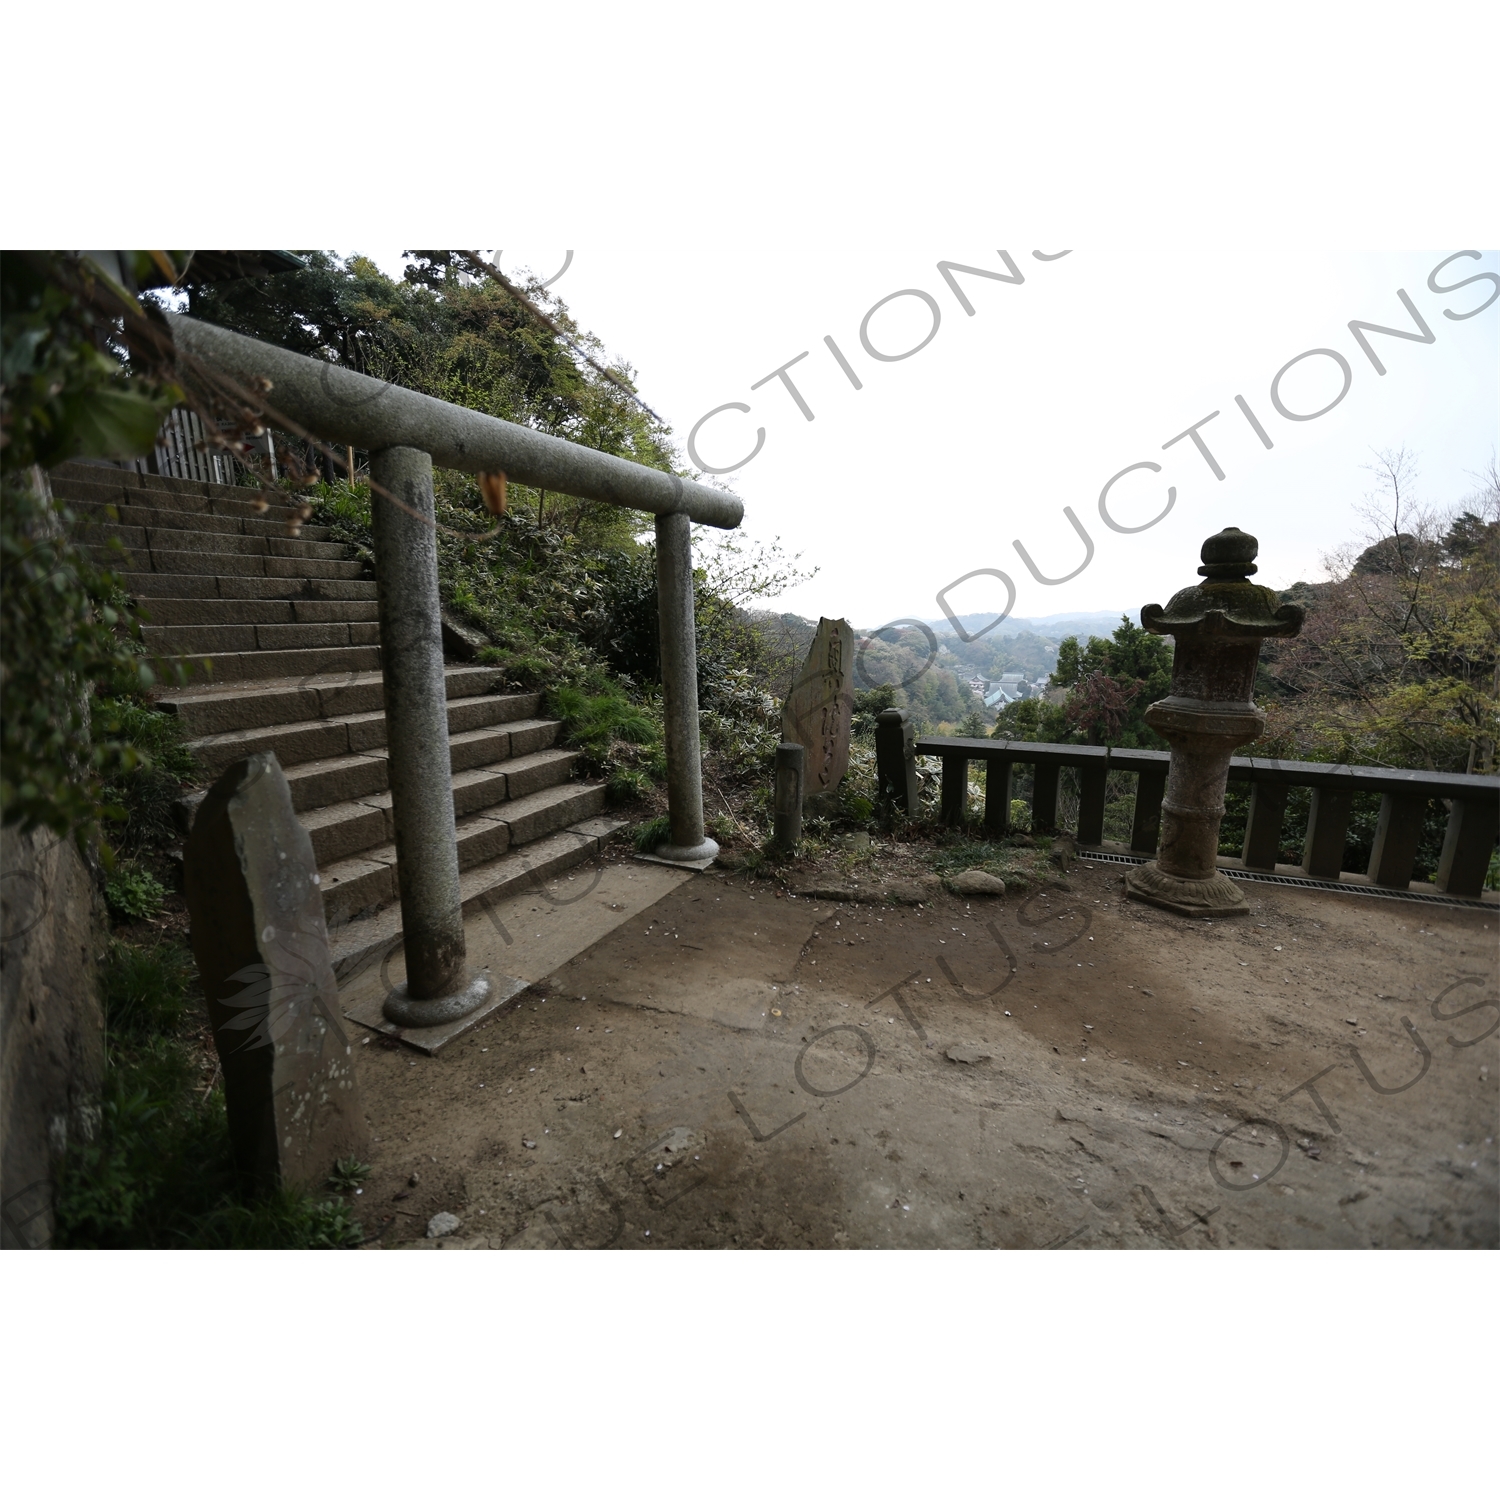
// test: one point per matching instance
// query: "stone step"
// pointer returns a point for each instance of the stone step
(476, 748)
(240, 666)
(219, 612)
(209, 586)
(486, 779)
(223, 640)
(180, 510)
(155, 539)
(343, 829)
(367, 878)
(89, 468)
(133, 560)
(80, 481)
(336, 778)
(536, 814)
(495, 721)
(298, 697)
(360, 944)
(495, 806)
(236, 502)
(98, 513)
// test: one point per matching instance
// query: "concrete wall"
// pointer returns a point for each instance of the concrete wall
(51, 1024)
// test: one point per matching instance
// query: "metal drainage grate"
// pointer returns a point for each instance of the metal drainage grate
(1087, 856)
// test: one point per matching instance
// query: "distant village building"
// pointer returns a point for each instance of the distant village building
(1011, 688)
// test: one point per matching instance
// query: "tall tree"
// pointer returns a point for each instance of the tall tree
(461, 338)
(1112, 682)
(1399, 660)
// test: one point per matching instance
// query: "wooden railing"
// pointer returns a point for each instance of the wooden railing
(182, 451)
(1473, 803)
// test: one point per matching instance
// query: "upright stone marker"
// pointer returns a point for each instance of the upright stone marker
(262, 949)
(818, 711)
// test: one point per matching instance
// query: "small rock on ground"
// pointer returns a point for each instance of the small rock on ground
(967, 1055)
(441, 1225)
(678, 1144)
(1064, 850)
(977, 883)
(914, 892)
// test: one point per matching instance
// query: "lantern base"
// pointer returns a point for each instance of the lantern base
(1218, 896)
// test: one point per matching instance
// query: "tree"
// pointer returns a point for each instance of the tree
(465, 340)
(1099, 706)
(65, 625)
(1398, 658)
(1033, 720)
(1112, 683)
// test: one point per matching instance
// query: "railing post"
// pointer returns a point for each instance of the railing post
(1044, 797)
(997, 797)
(436, 990)
(1327, 833)
(1145, 828)
(1467, 848)
(1092, 784)
(791, 763)
(1263, 825)
(679, 690)
(896, 761)
(955, 797)
(1393, 856)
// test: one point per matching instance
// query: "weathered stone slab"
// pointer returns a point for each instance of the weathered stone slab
(819, 708)
(908, 892)
(53, 1029)
(262, 949)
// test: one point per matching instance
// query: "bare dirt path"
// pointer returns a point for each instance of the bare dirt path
(733, 1067)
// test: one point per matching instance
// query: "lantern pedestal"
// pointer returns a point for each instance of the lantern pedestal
(1218, 627)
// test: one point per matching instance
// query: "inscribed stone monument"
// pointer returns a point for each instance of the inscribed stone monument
(262, 948)
(818, 711)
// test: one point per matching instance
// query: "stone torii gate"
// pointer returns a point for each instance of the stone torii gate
(406, 434)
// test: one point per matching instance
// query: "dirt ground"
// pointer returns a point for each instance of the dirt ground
(719, 1064)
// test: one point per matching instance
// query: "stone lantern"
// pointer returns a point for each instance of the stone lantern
(1218, 626)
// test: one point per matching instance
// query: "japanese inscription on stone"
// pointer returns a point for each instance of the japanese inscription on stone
(819, 707)
(259, 936)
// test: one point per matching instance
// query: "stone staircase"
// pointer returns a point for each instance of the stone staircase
(280, 639)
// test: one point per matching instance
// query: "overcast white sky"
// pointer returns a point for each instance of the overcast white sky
(749, 157)
(941, 461)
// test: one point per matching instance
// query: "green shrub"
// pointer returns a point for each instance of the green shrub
(134, 893)
(868, 706)
(158, 1174)
(145, 990)
(650, 836)
(597, 723)
(157, 1171)
(64, 622)
(146, 792)
(627, 786)
(348, 1173)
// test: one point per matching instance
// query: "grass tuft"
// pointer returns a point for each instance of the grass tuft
(649, 837)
